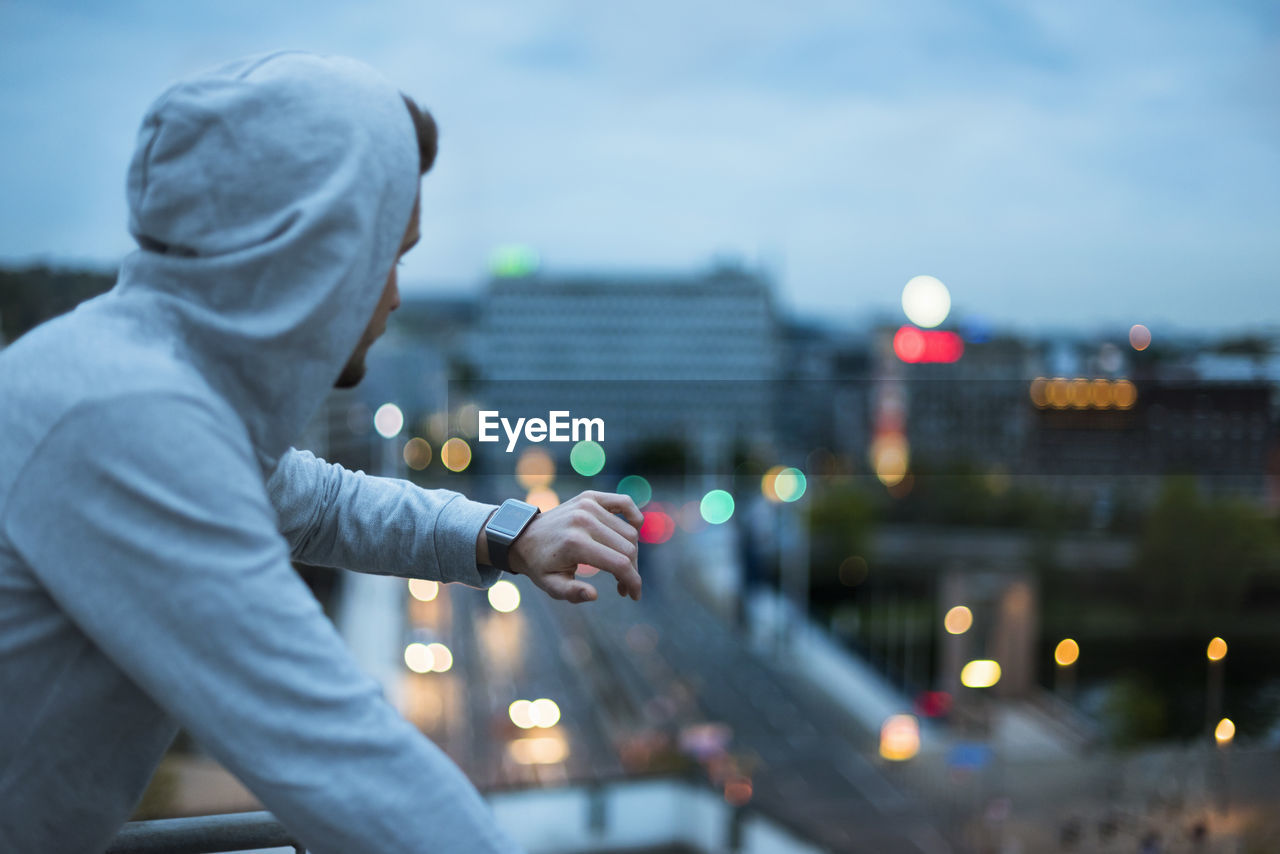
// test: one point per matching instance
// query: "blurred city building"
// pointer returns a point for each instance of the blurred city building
(688, 357)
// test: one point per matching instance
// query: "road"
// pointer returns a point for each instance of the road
(662, 685)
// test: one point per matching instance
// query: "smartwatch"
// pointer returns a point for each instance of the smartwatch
(507, 523)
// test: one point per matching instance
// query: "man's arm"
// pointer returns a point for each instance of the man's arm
(332, 516)
(160, 545)
(335, 517)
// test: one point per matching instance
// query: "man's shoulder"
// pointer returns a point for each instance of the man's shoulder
(88, 356)
(72, 372)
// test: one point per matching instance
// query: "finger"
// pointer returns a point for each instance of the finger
(605, 535)
(615, 503)
(624, 528)
(612, 562)
(566, 589)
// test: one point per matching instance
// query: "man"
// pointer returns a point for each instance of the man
(150, 502)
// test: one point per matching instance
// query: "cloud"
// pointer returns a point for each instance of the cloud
(1057, 163)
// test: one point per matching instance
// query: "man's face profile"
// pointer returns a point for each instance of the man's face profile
(354, 370)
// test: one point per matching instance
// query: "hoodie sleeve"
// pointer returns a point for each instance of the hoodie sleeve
(160, 545)
(332, 516)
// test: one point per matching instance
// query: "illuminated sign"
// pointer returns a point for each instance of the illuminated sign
(921, 346)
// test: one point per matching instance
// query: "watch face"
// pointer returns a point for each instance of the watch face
(509, 518)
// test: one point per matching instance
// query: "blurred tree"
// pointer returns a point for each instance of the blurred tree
(29, 297)
(841, 519)
(1134, 711)
(1196, 557)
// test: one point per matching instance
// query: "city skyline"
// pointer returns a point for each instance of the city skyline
(1058, 168)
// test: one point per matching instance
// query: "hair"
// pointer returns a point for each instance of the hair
(428, 134)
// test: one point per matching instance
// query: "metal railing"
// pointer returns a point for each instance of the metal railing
(204, 835)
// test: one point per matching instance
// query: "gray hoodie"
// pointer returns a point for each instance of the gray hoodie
(150, 503)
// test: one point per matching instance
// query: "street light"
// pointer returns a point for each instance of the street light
(1217, 655)
(1217, 649)
(980, 673)
(1065, 655)
(958, 620)
(900, 738)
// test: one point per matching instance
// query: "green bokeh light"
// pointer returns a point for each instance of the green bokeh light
(587, 458)
(717, 506)
(637, 487)
(790, 484)
(512, 262)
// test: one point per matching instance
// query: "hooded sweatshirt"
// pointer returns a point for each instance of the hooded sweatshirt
(150, 503)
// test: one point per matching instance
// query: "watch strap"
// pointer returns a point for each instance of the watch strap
(500, 540)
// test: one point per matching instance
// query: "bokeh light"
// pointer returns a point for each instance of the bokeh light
(539, 750)
(958, 620)
(467, 419)
(417, 453)
(790, 484)
(908, 344)
(927, 346)
(1125, 394)
(1079, 393)
(637, 487)
(900, 738)
(1082, 393)
(737, 792)
(926, 301)
(717, 506)
(980, 673)
(545, 712)
(423, 590)
(658, 525)
(587, 458)
(515, 261)
(418, 658)
(689, 516)
(889, 457)
(521, 713)
(853, 570)
(388, 420)
(1139, 337)
(1225, 731)
(543, 499)
(535, 469)
(1040, 392)
(441, 657)
(1217, 649)
(1100, 393)
(1058, 393)
(455, 454)
(1067, 652)
(504, 597)
(768, 483)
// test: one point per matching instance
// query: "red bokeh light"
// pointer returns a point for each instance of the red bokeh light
(933, 704)
(921, 346)
(658, 525)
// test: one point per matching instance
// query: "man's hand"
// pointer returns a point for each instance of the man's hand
(584, 529)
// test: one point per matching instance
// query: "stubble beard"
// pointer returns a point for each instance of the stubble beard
(352, 372)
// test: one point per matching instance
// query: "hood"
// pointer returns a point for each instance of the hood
(269, 198)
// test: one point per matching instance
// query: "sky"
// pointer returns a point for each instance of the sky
(1082, 165)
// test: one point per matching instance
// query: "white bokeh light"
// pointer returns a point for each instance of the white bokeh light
(926, 301)
(504, 597)
(388, 420)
